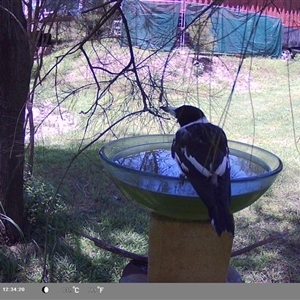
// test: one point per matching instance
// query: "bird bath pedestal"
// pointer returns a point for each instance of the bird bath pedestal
(186, 251)
(183, 247)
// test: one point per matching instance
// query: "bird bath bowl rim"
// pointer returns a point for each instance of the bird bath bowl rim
(171, 136)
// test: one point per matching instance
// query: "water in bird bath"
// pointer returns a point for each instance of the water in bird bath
(160, 162)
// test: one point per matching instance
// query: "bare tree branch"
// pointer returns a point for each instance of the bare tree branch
(143, 258)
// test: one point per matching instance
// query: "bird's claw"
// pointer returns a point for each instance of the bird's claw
(182, 179)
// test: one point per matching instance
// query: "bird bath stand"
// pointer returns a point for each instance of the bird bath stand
(183, 247)
(186, 251)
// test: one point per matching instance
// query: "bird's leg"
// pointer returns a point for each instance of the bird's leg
(182, 178)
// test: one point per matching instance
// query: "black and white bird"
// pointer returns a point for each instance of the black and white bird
(201, 150)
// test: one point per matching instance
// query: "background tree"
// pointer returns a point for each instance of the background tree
(15, 69)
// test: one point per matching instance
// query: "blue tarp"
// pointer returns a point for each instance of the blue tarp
(154, 26)
(151, 25)
(247, 33)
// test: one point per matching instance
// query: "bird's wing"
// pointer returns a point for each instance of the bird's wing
(202, 153)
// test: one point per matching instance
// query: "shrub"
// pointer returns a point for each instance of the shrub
(201, 36)
(41, 199)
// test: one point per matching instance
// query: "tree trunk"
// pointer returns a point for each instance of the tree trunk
(15, 69)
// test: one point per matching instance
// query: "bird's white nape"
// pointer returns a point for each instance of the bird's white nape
(202, 120)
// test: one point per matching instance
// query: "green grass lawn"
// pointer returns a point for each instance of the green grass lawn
(263, 110)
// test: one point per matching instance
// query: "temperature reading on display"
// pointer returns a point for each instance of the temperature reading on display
(98, 289)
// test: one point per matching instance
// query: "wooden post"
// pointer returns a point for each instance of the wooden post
(182, 251)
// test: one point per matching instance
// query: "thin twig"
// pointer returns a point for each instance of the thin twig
(255, 245)
(114, 249)
(144, 258)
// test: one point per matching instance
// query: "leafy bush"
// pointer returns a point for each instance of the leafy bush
(90, 21)
(201, 36)
(8, 265)
(41, 200)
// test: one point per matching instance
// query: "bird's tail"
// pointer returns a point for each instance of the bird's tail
(221, 219)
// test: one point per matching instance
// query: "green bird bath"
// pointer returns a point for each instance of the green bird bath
(182, 244)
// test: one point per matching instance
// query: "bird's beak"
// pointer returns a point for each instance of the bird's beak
(169, 109)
